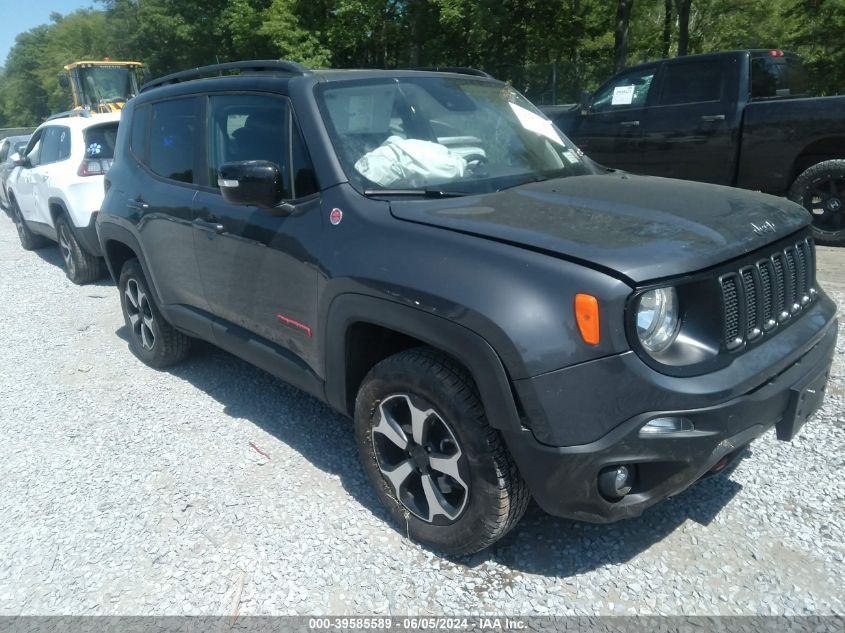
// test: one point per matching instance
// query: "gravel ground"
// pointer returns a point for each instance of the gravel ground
(133, 491)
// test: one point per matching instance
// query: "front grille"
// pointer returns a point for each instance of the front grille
(767, 293)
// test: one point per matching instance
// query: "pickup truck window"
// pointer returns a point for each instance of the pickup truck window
(777, 76)
(629, 90)
(693, 82)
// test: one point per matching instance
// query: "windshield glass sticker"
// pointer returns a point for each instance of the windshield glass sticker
(623, 95)
(570, 156)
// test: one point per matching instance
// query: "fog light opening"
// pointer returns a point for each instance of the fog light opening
(616, 481)
(663, 426)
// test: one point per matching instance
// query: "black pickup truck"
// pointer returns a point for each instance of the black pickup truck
(739, 118)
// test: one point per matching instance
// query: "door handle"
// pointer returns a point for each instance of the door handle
(629, 124)
(209, 226)
(712, 118)
(138, 204)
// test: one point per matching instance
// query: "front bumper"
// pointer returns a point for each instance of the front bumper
(564, 480)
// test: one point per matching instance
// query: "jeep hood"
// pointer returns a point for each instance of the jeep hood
(638, 227)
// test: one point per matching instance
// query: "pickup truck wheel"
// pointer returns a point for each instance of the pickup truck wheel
(442, 472)
(151, 337)
(80, 267)
(29, 240)
(821, 190)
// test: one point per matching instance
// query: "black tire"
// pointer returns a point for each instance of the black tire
(29, 240)
(80, 266)
(151, 338)
(821, 190)
(492, 494)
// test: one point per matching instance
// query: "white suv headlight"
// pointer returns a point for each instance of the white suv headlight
(657, 319)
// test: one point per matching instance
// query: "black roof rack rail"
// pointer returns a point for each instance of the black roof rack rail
(60, 115)
(258, 65)
(461, 70)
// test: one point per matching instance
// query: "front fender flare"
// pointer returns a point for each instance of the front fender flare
(464, 345)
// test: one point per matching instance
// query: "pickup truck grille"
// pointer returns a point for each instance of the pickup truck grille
(761, 296)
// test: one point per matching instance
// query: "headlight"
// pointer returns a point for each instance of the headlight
(657, 319)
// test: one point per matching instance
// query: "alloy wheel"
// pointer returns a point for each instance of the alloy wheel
(65, 248)
(421, 458)
(19, 225)
(140, 314)
(825, 200)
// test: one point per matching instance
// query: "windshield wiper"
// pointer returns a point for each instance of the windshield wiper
(427, 193)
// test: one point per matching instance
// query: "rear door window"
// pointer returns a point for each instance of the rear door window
(692, 82)
(173, 127)
(51, 145)
(138, 137)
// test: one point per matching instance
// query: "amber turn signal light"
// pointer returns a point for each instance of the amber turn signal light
(587, 316)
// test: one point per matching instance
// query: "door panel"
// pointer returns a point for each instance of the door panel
(25, 186)
(690, 133)
(611, 131)
(259, 268)
(162, 202)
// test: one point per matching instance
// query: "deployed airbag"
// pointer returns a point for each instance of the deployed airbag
(411, 162)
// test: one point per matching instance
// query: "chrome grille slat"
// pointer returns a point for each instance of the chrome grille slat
(758, 297)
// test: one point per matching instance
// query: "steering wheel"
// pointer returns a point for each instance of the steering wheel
(475, 162)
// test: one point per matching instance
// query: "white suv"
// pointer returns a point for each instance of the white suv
(56, 189)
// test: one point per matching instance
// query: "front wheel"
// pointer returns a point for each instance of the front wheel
(442, 472)
(821, 190)
(29, 240)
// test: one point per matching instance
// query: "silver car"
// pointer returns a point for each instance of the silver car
(8, 147)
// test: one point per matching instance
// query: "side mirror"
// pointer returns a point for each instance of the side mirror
(251, 183)
(145, 74)
(64, 81)
(19, 161)
(586, 101)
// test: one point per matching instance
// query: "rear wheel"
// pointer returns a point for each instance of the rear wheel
(80, 266)
(821, 190)
(151, 337)
(29, 240)
(442, 472)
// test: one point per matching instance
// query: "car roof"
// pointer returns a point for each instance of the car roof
(754, 52)
(82, 122)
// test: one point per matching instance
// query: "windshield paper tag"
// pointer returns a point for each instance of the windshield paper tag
(623, 95)
(537, 124)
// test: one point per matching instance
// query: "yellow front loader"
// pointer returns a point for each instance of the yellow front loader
(101, 87)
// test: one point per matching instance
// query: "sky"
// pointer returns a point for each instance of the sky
(17, 16)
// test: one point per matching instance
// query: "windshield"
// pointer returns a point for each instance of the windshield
(457, 135)
(102, 84)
